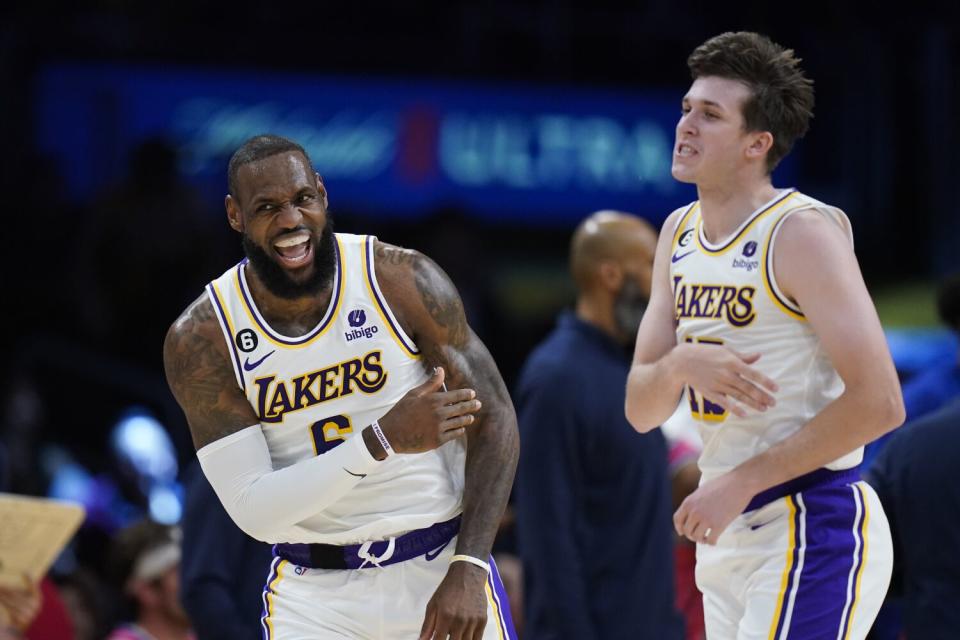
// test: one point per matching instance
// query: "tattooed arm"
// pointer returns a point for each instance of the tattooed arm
(267, 503)
(201, 377)
(430, 311)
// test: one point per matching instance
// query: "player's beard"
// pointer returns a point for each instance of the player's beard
(628, 308)
(278, 281)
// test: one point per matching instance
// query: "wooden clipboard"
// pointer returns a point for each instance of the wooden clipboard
(33, 532)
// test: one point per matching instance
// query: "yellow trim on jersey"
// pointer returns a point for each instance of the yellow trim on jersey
(493, 605)
(791, 546)
(331, 318)
(796, 314)
(271, 589)
(863, 560)
(368, 276)
(682, 223)
(223, 307)
(729, 244)
(233, 336)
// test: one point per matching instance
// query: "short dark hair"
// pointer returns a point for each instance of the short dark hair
(255, 149)
(781, 99)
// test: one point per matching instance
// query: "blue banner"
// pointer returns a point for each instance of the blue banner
(387, 147)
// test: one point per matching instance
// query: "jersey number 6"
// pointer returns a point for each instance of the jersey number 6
(330, 432)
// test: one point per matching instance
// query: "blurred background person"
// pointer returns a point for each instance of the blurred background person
(915, 477)
(934, 388)
(936, 385)
(146, 565)
(684, 447)
(593, 496)
(223, 570)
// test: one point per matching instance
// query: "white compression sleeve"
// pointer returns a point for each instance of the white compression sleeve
(265, 502)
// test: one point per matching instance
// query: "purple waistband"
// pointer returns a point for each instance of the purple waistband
(371, 554)
(822, 477)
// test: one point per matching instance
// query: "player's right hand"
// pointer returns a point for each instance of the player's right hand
(724, 377)
(427, 416)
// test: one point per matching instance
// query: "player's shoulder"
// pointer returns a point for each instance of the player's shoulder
(414, 285)
(672, 223)
(195, 329)
(803, 206)
(812, 241)
(198, 315)
(805, 222)
(393, 260)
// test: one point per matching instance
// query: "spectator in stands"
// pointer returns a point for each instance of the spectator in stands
(146, 565)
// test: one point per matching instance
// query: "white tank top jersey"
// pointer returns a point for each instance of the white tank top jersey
(314, 392)
(727, 294)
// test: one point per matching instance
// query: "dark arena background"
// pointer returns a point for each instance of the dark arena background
(480, 133)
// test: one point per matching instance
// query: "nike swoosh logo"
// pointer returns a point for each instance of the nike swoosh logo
(250, 366)
(678, 258)
(355, 475)
(431, 555)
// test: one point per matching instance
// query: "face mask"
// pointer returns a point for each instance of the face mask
(628, 308)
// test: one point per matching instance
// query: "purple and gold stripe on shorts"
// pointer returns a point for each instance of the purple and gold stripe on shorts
(792, 569)
(825, 560)
(269, 592)
(497, 596)
(860, 559)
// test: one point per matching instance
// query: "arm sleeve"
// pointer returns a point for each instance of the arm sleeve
(265, 502)
(219, 561)
(550, 507)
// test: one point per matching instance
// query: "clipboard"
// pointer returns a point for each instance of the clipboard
(33, 532)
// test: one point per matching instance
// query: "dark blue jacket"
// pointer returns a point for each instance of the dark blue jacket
(223, 570)
(592, 497)
(916, 478)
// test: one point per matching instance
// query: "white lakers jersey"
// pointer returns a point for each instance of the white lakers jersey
(727, 294)
(315, 391)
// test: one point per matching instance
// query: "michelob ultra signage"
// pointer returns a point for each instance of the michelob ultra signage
(384, 146)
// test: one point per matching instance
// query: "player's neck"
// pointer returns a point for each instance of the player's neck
(599, 315)
(724, 207)
(289, 316)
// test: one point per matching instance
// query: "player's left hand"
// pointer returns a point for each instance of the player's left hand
(708, 511)
(458, 608)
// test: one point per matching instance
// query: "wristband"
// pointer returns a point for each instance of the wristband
(463, 558)
(382, 439)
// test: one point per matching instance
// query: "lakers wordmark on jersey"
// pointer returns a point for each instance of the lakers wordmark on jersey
(727, 294)
(314, 392)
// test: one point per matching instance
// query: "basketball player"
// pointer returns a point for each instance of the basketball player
(760, 316)
(314, 376)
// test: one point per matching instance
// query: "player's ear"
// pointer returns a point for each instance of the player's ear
(322, 188)
(759, 144)
(233, 213)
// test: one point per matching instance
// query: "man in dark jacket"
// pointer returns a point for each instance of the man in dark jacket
(593, 495)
